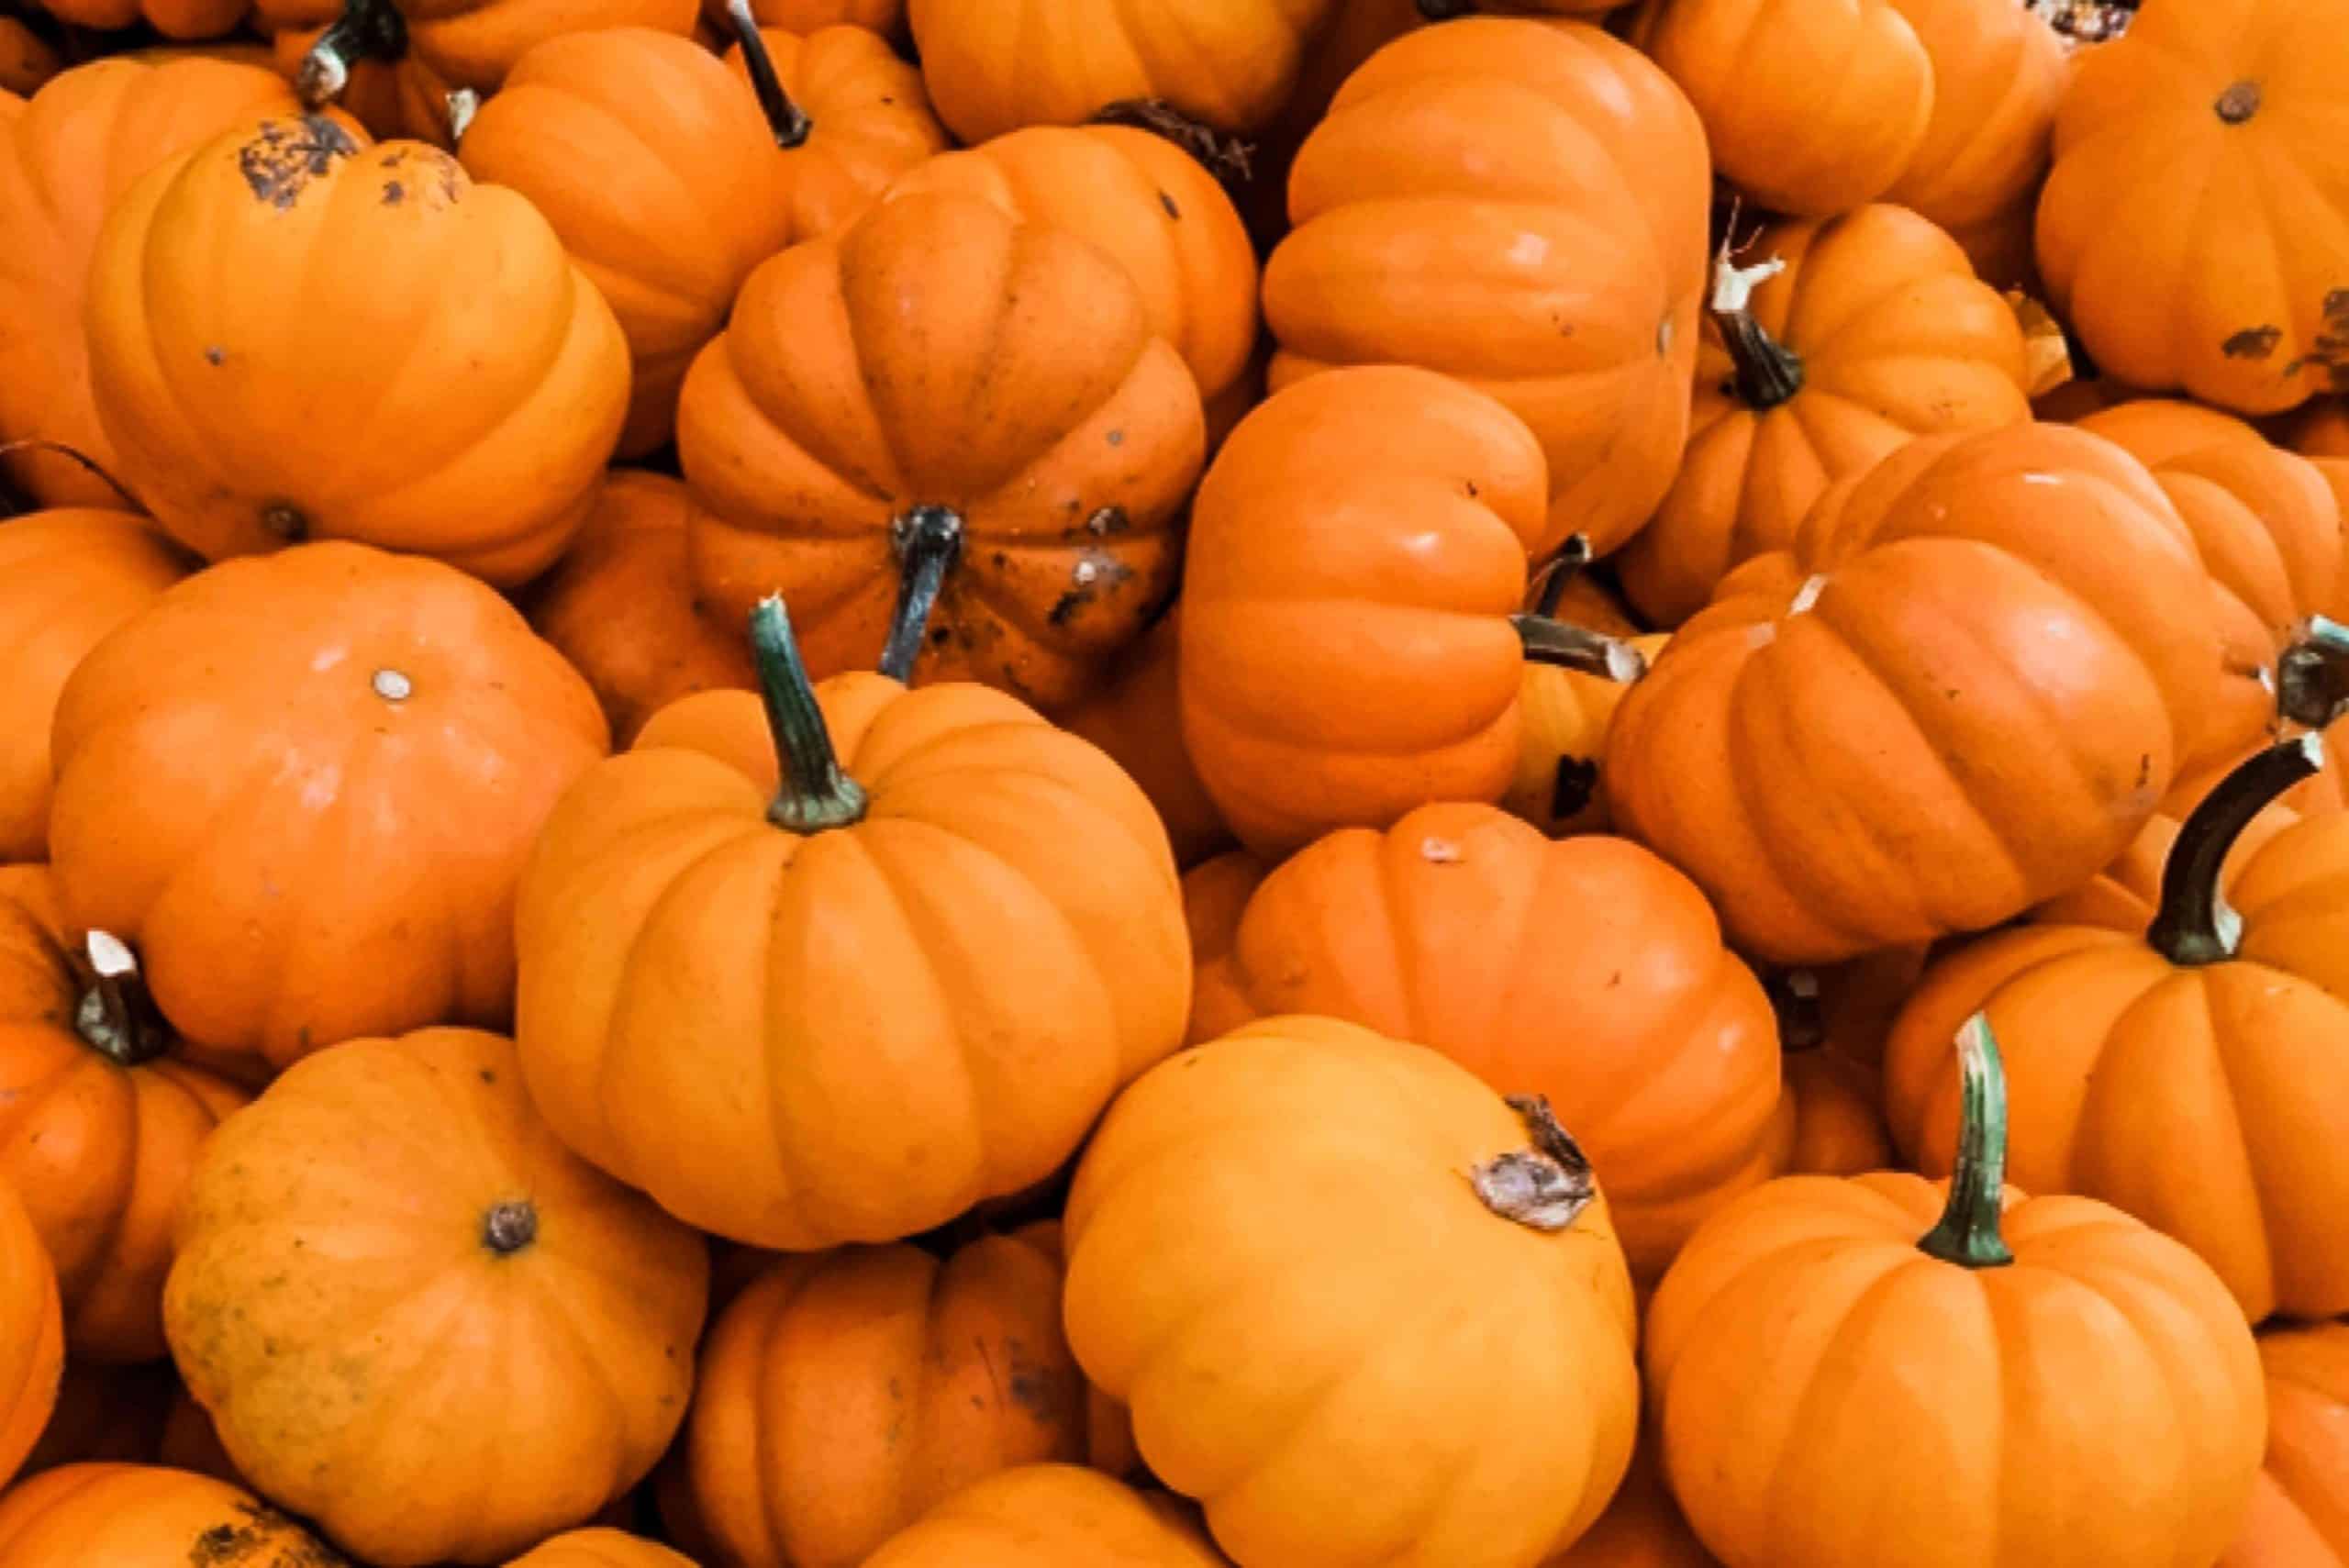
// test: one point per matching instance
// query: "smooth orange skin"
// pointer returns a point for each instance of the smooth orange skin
(1051, 1514)
(1642, 1527)
(32, 1336)
(343, 1378)
(1860, 1000)
(842, 395)
(1146, 202)
(1899, 339)
(886, 18)
(2126, 894)
(996, 65)
(2269, 530)
(2155, 236)
(870, 115)
(1136, 715)
(1825, 1387)
(67, 578)
(657, 171)
(844, 1394)
(1830, 1118)
(601, 1549)
(1563, 741)
(1354, 552)
(138, 1515)
(2206, 1101)
(1656, 1048)
(297, 860)
(892, 1020)
(620, 607)
(1520, 204)
(2299, 1509)
(463, 43)
(191, 20)
(471, 379)
(65, 159)
(99, 1152)
(2023, 601)
(2000, 72)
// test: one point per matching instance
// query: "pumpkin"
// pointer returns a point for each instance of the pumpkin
(1859, 1001)
(834, 438)
(1963, 691)
(620, 605)
(627, 140)
(845, 1394)
(359, 748)
(1136, 715)
(1520, 204)
(1642, 1527)
(98, 1129)
(1050, 1513)
(190, 1441)
(2155, 234)
(67, 578)
(600, 1549)
(1831, 1116)
(25, 59)
(1560, 784)
(1999, 74)
(137, 1515)
(1146, 202)
(1304, 1233)
(978, 940)
(184, 19)
(995, 65)
(1844, 340)
(2300, 1508)
(64, 162)
(2127, 894)
(885, 17)
(1352, 32)
(2191, 1075)
(32, 1334)
(2269, 530)
(514, 1316)
(1651, 1042)
(474, 379)
(2023, 1381)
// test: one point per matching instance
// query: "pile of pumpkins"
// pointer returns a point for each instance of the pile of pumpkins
(1150, 784)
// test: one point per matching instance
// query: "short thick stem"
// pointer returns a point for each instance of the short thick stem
(509, 1227)
(2312, 674)
(117, 1017)
(367, 29)
(1560, 574)
(1765, 372)
(2238, 103)
(1548, 641)
(927, 541)
(1228, 158)
(2195, 925)
(1545, 1186)
(815, 793)
(789, 122)
(1968, 1232)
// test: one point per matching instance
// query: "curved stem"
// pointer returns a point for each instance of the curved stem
(1570, 647)
(1545, 1187)
(1228, 158)
(463, 104)
(928, 541)
(1766, 372)
(2312, 672)
(2194, 925)
(117, 1018)
(1560, 574)
(816, 793)
(1968, 1232)
(787, 119)
(367, 29)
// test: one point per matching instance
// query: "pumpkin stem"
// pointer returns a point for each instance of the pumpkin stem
(1968, 1232)
(117, 1017)
(2195, 925)
(2239, 102)
(463, 104)
(928, 541)
(509, 1227)
(1545, 1187)
(2312, 674)
(367, 29)
(1569, 646)
(1802, 1019)
(1229, 158)
(816, 793)
(34, 444)
(789, 121)
(1766, 372)
(1551, 583)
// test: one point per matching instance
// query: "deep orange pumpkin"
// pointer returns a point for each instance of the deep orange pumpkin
(867, 118)
(188, 20)
(26, 62)
(2299, 1509)
(600, 1549)
(136, 1516)
(1642, 1527)
(32, 1334)
(302, 787)
(1051, 1514)
(1136, 715)
(1561, 781)
(885, 17)
(1830, 1118)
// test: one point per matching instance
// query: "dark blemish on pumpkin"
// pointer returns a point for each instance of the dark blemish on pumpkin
(1168, 202)
(1109, 522)
(393, 193)
(1573, 786)
(214, 356)
(2144, 770)
(489, 1076)
(2252, 343)
(1117, 437)
(939, 635)
(1096, 573)
(1470, 485)
(999, 560)
(265, 1538)
(279, 166)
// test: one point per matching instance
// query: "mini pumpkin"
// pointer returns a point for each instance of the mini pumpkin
(189, 20)
(925, 935)
(32, 1337)
(600, 1549)
(25, 61)
(1842, 341)
(1642, 1527)
(2300, 1508)
(1561, 781)
(511, 1313)
(1136, 715)
(67, 578)
(1016, 1519)
(886, 18)
(1831, 1116)
(138, 1515)
(360, 748)
(1963, 692)
(469, 376)
(1559, 271)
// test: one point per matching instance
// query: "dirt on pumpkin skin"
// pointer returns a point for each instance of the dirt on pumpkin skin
(261, 1538)
(279, 164)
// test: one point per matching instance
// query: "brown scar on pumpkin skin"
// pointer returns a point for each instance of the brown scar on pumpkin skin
(279, 164)
(1096, 574)
(2252, 343)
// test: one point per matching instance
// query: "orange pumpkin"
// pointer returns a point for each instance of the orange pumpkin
(32, 1336)
(2300, 1508)
(303, 787)
(64, 162)
(2193, 1075)
(2157, 235)
(845, 1394)
(512, 1313)
(600, 1549)
(114, 1414)
(1873, 331)
(862, 118)
(1994, 1389)
(137, 1515)
(885, 17)
(995, 65)
(472, 378)
(67, 578)
(1303, 1233)
(25, 59)
(1560, 785)
(1558, 272)
(626, 140)
(1655, 1046)
(98, 1129)
(182, 19)
(1831, 1116)
(1136, 715)
(833, 438)
(2127, 894)
(978, 941)
(1963, 691)
(1051, 1513)
(1642, 1527)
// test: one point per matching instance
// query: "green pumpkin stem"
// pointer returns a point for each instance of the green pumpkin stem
(928, 541)
(117, 1018)
(2195, 925)
(1766, 372)
(367, 29)
(2312, 674)
(816, 793)
(1968, 1232)
(786, 119)
(1570, 647)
